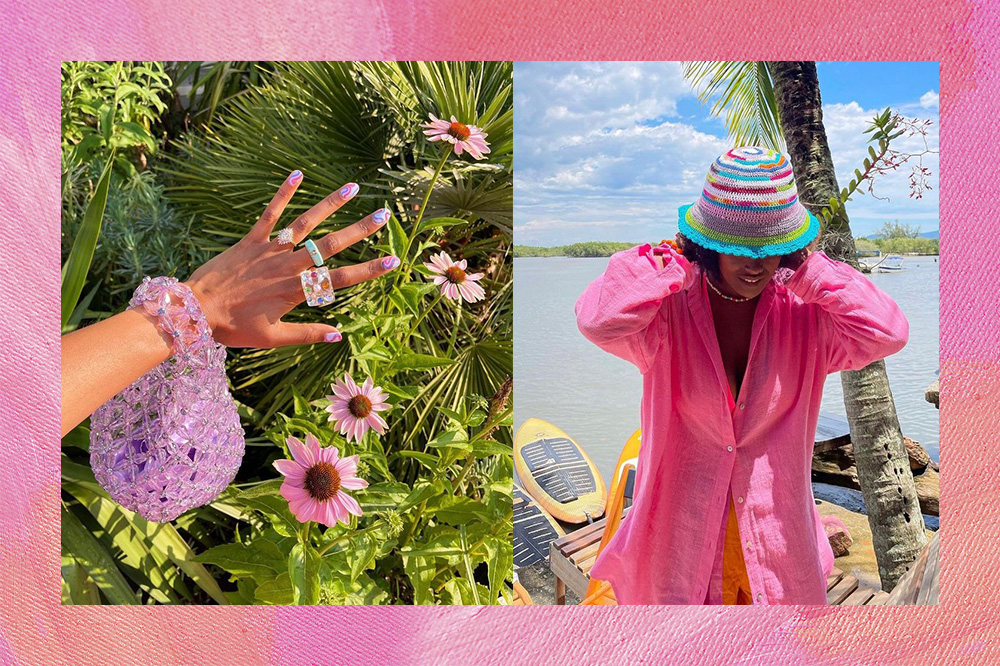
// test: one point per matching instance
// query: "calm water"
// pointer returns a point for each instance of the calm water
(594, 396)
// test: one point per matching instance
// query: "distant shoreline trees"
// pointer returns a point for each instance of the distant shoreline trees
(589, 249)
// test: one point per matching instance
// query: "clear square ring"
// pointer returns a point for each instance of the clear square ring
(316, 286)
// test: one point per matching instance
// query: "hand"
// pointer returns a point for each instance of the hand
(245, 290)
(796, 259)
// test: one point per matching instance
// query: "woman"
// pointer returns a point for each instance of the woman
(243, 293)
(734, 336)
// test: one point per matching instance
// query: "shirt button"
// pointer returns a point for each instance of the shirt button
(740, 500)
(759, 596)
(742, 405)
(729, 448)
(749, 545)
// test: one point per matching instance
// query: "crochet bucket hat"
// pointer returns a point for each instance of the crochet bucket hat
(749, 207)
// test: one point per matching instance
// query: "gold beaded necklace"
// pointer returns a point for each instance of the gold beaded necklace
(734, 299)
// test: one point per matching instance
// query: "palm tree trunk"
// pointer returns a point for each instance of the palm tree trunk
(882, 463)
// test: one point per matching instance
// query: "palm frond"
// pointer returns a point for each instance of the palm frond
(743, 94)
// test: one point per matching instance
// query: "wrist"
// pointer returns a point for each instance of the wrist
(175, 310)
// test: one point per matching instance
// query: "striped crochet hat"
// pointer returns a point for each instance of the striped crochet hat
(749, 207)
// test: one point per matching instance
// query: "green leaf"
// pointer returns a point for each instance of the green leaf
(76, 586)
(363, 557)
(428, 460)
(134, 134)
(423, 490)
(303, 572)
(398, 240)
(460, 511)
(301, 405)
(501, 566)
(381, 496)
(489, 447)
(91, 555)
(78, 437)
(453, 438)
(261, 560)
(410, 361)
(272, 487)
(276, 591)
(107, 121)
(438, 223)
(275, 509)
(77, 265)
(873, 154)
(420, 570)
(141, 559)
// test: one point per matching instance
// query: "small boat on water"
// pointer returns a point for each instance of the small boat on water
(890, 263)
(557, 473)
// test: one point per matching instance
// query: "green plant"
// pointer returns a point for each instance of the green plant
(437, 524)
(111, 106)
(201, 88)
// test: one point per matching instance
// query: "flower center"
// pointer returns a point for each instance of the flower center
(459, 131)
(322, 481)
(455, 275)
(359, 406)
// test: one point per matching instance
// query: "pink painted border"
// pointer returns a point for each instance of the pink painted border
(35, 35)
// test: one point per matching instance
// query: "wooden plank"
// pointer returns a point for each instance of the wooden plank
(833, 578)
(841, 590)
(560, 592)
(566, 572)
(859, 597)
(586, 535)
(584, 553)
(928, 594)
(881, 598)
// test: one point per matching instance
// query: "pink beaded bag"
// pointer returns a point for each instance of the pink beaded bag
(172, 440)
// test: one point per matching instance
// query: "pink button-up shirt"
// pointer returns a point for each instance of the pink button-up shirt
(696, 451)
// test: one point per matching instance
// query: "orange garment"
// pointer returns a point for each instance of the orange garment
(735, 582)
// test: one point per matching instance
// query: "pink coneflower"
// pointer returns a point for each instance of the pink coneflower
(355, 408)
(455, 283)
(467, 137)
(315, 480)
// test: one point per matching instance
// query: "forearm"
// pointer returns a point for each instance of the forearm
(618, 311)
(102, 359)
(859, 323)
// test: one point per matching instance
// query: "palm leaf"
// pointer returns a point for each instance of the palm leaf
(743, 93)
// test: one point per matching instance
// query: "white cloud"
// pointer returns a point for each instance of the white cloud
(603, 152)
(929, 100)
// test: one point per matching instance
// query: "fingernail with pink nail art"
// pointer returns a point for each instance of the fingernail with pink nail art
(390, 262)
(381, 216)
(348, 191)
(333, 336)
(295, 177)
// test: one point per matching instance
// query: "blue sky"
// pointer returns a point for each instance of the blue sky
(609, 150)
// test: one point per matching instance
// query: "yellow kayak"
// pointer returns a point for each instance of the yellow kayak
(558, 473)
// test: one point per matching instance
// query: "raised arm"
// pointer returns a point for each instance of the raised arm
(858, 322)
(619, 311)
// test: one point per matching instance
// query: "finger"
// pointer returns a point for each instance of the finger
(345, 276)
(310, 219)
(335, 241)
(265, 224)
(285, 334)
